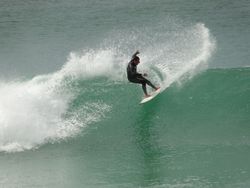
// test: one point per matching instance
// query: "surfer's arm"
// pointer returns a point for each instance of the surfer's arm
(135, 54)
(135, 73)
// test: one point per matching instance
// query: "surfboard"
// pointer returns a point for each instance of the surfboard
(153, 95)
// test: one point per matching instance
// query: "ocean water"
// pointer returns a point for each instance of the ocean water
(70, 118)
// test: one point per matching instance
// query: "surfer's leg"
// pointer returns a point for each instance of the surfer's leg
(147, 82)
(144, 88)
(150, 84)
(141, 80)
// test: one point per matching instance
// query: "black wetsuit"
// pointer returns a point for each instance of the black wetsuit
(135, 77)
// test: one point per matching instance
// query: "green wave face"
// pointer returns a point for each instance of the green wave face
(210, 109)
(194, 134)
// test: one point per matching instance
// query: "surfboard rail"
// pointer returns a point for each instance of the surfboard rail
(153, 95)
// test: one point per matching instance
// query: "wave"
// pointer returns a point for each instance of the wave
(33, 112)
(38, 111)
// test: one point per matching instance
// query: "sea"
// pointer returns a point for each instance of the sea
(69, 118)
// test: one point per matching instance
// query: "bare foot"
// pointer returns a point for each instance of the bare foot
(157, 88)
(147, 96)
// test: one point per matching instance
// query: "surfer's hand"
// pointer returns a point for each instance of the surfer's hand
(135, 54)
(145, 74)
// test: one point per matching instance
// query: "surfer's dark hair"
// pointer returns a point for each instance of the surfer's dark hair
(136, 58)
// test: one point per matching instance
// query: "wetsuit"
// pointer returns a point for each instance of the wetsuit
(135, 77)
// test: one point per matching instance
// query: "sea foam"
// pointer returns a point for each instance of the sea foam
(32, 112)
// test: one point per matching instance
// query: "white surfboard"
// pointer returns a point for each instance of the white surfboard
(153, 95)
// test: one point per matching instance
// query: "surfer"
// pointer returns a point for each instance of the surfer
(135, 77)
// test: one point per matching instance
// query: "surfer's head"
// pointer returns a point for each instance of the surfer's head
(136, 60)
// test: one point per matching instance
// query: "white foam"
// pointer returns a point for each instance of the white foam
(31, 112)
(187, 55)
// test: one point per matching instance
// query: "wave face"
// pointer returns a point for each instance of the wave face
(50, 108)
(214, 100)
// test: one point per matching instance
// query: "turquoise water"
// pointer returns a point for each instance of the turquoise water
(69, 117)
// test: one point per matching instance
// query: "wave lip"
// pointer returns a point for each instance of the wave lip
(189, 57)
